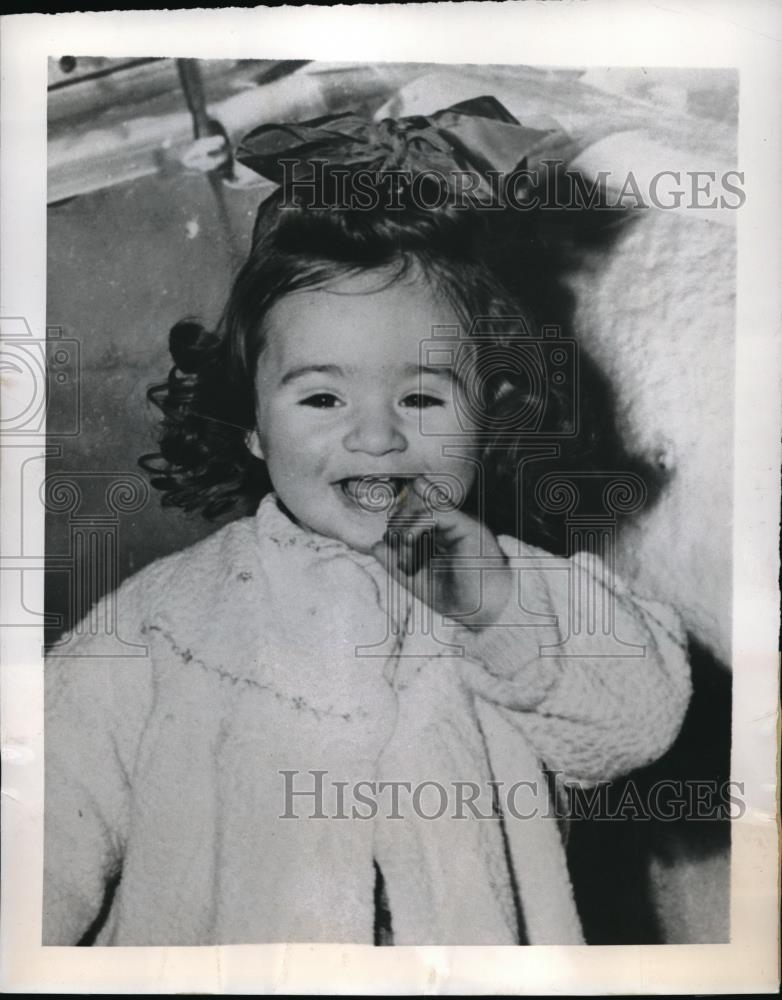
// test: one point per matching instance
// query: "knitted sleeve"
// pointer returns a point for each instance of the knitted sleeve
(95, 700)
(601, 687)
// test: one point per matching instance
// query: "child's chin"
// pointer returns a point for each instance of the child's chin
(359, 536)
(363, 534)
(362, 541)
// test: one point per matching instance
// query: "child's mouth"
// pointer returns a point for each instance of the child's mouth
(375, 494)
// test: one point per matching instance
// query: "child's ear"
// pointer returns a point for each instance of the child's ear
(253, 443)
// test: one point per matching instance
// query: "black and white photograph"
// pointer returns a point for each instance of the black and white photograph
(383, 435)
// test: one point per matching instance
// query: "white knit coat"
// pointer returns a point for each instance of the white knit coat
(280, 659)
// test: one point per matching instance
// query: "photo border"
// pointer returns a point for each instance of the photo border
(588, 33)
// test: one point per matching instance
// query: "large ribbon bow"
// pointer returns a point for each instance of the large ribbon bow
(476, 136)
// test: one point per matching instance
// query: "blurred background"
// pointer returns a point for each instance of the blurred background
(141, 233)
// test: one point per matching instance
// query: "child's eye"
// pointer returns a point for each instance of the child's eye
(321, 401)
(421, 400)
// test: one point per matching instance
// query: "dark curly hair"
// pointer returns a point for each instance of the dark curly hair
(489, 264)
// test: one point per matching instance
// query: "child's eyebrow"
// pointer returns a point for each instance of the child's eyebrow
(301, 370)
(439, 371)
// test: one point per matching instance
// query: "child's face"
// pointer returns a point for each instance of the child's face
(343, 404)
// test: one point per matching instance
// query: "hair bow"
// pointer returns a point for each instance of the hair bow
(479, 136)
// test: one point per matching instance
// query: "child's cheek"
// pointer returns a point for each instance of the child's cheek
(456, 420)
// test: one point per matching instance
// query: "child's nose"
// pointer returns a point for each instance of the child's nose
(375, 431)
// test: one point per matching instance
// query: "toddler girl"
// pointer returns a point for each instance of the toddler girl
(341, 728)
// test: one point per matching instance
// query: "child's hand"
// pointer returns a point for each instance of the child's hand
(422, 525)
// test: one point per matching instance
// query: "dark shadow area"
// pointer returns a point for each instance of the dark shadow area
(549, 244)
(609, 859)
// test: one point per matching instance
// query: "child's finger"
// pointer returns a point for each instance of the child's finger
(386, 552)
(389, 555)
(437, 495)
(412, 544)
(407, 503)
(443, 505)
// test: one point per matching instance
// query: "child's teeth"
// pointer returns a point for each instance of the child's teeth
(362, 489)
